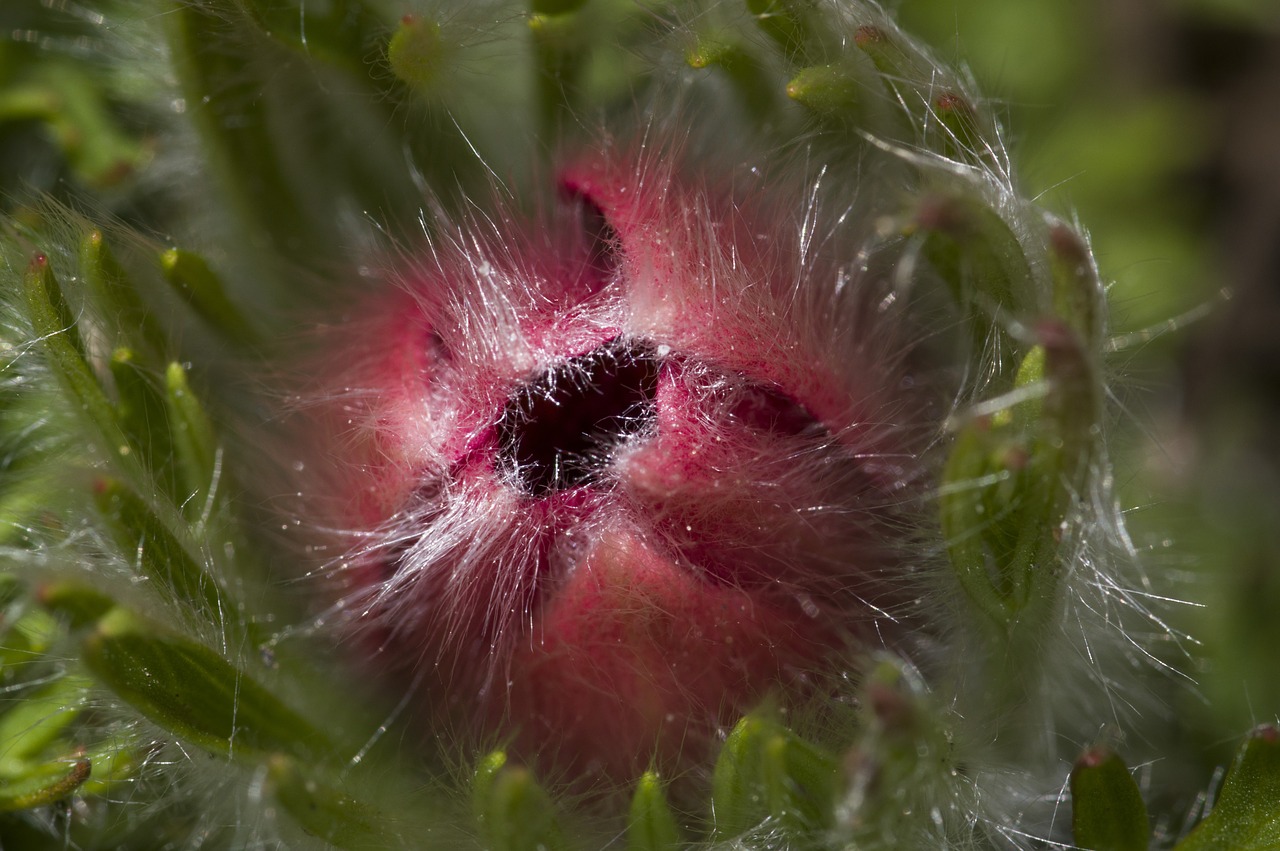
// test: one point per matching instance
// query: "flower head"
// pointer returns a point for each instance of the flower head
(632, 469)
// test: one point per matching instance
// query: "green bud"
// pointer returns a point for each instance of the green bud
(651, 825)
(885, 51)
(960, 124)
(513, 811)
(764, 770)
(416, 53)
(193, 278)
(831, 91)
(1107, 812)
(901, 765)
(195, 447)
(79, 604)
(1078, 297)
(743, 69)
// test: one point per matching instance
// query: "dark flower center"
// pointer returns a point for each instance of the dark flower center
(560, 430)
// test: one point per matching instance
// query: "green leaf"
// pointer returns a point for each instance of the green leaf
(27, 638)
(337, 34)
(48, 306)
(115, 290)
(36, 721)
(1246, 816)
(45, 784)
(141, 413)
(651, 825)
(213, 46)
(324, 812)
(487, 771)
(976, 507)
(796, 29)
(1107, 812)
(979, 257)
(193, 692)
(514, 812)
(1072, 406)
(79, 604)
(59, 338)
(157, 553)
(1011, 479)
(933, 113)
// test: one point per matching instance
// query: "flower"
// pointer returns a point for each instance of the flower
(630, 470)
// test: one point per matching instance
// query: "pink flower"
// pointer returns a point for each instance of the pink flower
(630, 470)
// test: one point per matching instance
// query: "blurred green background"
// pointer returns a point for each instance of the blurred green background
(1156, 123)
